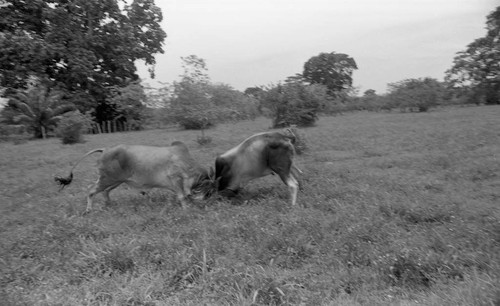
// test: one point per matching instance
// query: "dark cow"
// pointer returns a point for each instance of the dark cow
(148, 167)
(258, 155)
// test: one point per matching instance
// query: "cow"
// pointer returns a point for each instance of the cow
(257, 156)
(148, 167)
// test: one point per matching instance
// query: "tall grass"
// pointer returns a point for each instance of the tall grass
(396, 209)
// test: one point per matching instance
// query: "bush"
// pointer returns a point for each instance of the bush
(72, 126)
(295, 104)
(15, 133)
(231, 104)
(198, 106)
(191, 107)
(416, 95)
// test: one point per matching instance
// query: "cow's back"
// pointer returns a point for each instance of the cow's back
(146, 165)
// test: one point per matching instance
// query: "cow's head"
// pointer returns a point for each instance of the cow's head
(205, 186)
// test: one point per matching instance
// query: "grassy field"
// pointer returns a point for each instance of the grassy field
(395, 209)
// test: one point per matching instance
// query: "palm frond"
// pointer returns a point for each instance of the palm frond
(22, 119)
(20, 95)
(62, 109)
(52, 121)
(22, 107)
(55, 97)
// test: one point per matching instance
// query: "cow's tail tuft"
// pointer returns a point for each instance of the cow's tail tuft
(291, 133)
(65, 181)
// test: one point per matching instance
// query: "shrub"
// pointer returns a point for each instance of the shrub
(72, 126)
(191, 107)
(416, 94)
(231, 104)
(197, 106)
(15, 133)
(295, 103)
(127, 101)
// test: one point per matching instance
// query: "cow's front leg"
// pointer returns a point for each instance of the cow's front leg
(178, 186)
(187, 184)
(293, 187)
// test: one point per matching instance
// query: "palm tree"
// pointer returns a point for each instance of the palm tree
(39, 108)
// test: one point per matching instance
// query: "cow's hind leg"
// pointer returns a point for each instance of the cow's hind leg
(107, 191)
(281, 163)
(101, 185)
(92, 192)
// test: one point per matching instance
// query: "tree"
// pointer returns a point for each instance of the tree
(84, 46)
(232, 104)
(195, 69)
(257, 93)
(254, 91)
(158, 97)
(294, 103)
(334, 70)
(72, 126)
(38, 108)
(478, 67)
(191, 106)
(370, 93)
(129, 103)
(198, 104)
(416, 94)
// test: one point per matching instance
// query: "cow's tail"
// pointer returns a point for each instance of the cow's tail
(290, 134)
(65, 181)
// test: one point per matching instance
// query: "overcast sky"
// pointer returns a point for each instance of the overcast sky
(259, 42)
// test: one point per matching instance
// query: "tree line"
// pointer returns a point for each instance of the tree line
(62, 56)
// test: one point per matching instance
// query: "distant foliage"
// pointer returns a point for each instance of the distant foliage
(475, 70)
(82, 46)
(191, 107)
(416, 94)
(128, 102)
(198, 104)
(72, 126)
(411, 95)
(295, 103)
(334, 70)
(370, 101)
(15, 133)
(231, 104)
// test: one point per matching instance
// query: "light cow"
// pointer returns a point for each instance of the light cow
(142, 167)
(257, 156)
